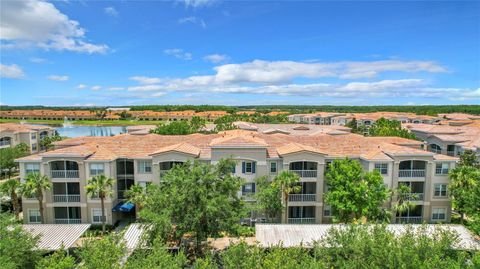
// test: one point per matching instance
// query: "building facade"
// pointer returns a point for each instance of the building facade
(143, 159)
(12, 134)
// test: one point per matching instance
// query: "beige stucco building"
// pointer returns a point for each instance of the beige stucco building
(143, 158)
(12, 134)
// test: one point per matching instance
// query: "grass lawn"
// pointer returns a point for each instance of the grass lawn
(88, 122)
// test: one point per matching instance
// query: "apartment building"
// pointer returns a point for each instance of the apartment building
(144, 158)
(367, 119)
(448, 139)
(12, 134)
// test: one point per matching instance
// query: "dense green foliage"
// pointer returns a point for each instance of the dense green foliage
(11, 188)
(195, 125)
(58, 260)
(469, 158)
(16, 245)
(354, 193)
(384, 127)
(268, 198)
(254, 118)
(199, 199)
(105, 253)
(8, 156)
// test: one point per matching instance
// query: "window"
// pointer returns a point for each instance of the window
(234, 169)
(327, 211)
(441, 169)
(96, 169)
(96, 215)
(382, 168)
(34, 147)
(440, 190)
(248, 188)
(144, 167)
(248, 167)
(273, 167)
(34, 136)
(34, 216)
(439, 214)
(32, 168)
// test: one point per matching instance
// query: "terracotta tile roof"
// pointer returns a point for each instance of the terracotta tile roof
(22, 128)
(295, 148)
(238, 138)
(181, 147)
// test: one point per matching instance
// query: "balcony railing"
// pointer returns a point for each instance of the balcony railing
(31, 171)
(66, 198)
(306, 173)
(438, 151)
(301, 197)
(301, 220)
(65, 174)
(441, 171)
(416, 220)
(411, 173)
(451, 152)
(68, 221)
(414, 196)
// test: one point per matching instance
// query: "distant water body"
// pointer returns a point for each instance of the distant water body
(83, 130)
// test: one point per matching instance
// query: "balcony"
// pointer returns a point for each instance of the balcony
(302, 197)
(68, 221)
(451, 152)
(306, 173)
(414, 196)
(66, 198)
(411, 173)
(65, 174)
(409, 220)
(441, 171)
(301, 220)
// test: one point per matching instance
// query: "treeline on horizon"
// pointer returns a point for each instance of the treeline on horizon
(420, 110)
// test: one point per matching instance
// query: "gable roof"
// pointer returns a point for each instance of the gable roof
(181, 147)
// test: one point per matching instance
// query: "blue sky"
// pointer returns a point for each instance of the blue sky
(239, 53)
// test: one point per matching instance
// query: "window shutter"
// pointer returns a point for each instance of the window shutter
(243, 188)
(253, 187)
(253, 167)
(243, 167)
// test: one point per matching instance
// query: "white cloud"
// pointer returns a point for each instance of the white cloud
(40, 23)
(193, 20)
(111, 11)
(178, 53)
(159, 94)
(58, 78)
(81, 86)
(143, 88)
(11, 71)
(96, 87)
(216, 58)
(116, 88)
(145, 80)
(198, 3)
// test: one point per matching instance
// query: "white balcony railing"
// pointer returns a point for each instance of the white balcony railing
(301, 197)
(65, 174)
(414, 196)
(68, 221)
(441, 171)
(409, 220)
(438, 151)
(66, 198)
(411, 173)
(306, 173)
(451, 152)
(301, 220)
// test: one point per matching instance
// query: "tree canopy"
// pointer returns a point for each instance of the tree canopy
(8, 156)
(384, 127)
(354, 193)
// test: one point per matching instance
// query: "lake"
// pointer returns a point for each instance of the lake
(83, 130)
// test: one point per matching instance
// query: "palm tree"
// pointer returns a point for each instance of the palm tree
(287, 182)
(34, 186)
(12, 187)
(404, 197)
(137, 195)
(100, 186)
